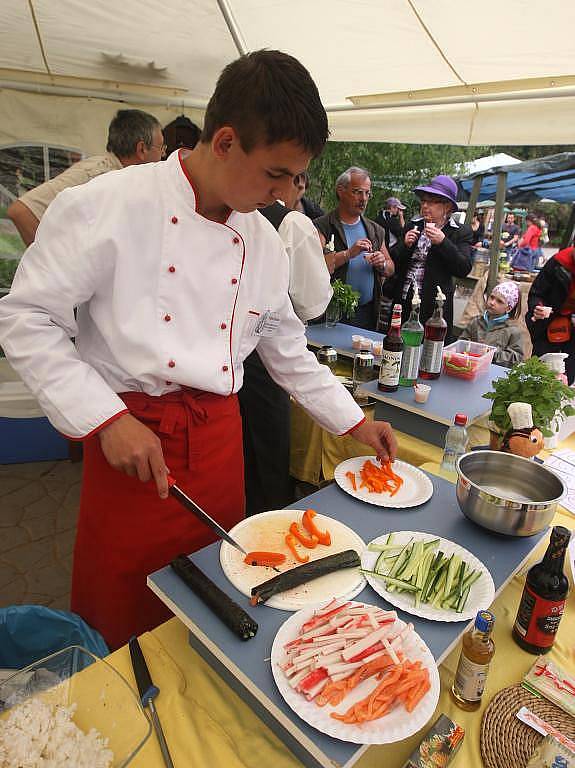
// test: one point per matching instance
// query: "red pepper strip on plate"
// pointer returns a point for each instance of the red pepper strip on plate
(291, 541)
(308, 541)
(265, 558)
(324, 537)
(351, 477)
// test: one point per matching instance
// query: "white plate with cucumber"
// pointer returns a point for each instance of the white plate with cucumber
(427, 576)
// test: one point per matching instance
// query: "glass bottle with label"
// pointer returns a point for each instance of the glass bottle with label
(543, 599)
(477, 650)
(392, 350)
(412, 335)
(434, 334)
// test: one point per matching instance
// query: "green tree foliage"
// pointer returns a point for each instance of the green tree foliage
(395, 168)
(531, 152)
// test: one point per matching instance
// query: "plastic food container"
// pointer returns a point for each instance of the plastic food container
(467, 359)
(103, 699)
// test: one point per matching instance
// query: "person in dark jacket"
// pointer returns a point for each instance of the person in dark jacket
(434, 250)
(551, 309)
(304, 204)
(391, 219)
(354, 246)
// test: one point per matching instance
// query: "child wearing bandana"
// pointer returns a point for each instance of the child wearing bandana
(494, 328)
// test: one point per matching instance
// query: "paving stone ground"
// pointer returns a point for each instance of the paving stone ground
(38, 510)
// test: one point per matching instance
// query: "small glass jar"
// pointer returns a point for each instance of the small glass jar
(328, 356)
(363, 371)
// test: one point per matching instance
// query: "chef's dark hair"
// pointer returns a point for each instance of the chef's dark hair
(128, 127)
(268, 97)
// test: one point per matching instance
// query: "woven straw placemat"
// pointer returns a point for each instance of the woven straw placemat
(506, 742)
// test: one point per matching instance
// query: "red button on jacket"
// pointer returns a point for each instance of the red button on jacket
(171, 364)
(174, 219)
(167, 318)
(171, 268)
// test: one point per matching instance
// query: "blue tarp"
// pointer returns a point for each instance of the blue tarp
(30, 632)
(551, 177)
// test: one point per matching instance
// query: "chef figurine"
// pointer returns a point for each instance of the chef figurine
(523, 439)
(556, 362)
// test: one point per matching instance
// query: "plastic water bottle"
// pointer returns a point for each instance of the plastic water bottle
(455, 442)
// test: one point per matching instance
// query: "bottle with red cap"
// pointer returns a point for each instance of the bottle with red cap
(455, 442)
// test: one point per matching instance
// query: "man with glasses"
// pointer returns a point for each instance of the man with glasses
(359, 256)
(134, 137)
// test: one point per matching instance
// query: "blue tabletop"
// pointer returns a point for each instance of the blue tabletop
(449, 395)
(243, 663)
(338, 337)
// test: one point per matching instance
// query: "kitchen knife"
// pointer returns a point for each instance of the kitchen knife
(148, 692)
(192, 507)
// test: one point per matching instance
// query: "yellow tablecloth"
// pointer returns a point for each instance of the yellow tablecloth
(315, 453)
(207, 724)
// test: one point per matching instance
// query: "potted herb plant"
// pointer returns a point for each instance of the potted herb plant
(534, 383)
(343, 303)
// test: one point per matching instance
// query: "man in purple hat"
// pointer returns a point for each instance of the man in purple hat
(434, 249)
(391, 219)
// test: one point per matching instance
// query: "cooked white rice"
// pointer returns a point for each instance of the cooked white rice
(40, 735)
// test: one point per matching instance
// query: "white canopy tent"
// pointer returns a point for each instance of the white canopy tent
(421, 71)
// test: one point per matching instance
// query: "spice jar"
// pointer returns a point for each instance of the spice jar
(362, 373)
(328, 356)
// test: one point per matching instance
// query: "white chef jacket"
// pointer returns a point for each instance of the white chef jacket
(309, 279)
(166, 299)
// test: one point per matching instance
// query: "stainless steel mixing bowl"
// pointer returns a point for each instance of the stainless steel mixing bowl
(506, 493)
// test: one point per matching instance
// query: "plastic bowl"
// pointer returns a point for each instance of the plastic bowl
(104, 700)
(467, 359)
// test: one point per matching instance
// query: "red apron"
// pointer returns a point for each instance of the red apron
(125, 531)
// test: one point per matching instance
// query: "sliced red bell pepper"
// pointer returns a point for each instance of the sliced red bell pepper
(324, 537)
(265, 558)
(291, 541)
(308, 541)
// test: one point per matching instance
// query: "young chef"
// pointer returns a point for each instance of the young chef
(177, 278)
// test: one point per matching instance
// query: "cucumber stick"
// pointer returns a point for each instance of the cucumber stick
(420, 569)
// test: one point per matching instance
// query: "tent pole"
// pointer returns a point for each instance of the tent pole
(473, 198)
(233, 26)
(569, 230)
(496, 233)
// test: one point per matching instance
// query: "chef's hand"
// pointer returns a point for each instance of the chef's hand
(379, 435)
(363, 244)
(131, 447)
(411, 237)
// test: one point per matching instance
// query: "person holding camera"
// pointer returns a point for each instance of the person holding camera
(434, 249)
(392, 220)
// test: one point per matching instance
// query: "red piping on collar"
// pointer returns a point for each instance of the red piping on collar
(195, 190)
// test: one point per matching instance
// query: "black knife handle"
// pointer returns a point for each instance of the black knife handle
(146, 688)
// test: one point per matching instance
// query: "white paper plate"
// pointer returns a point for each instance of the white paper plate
(395, 726)
(417, 488)
(266, 532)
(481, 595)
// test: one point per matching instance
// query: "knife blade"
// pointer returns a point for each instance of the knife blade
(148, 692)
(192, 507)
